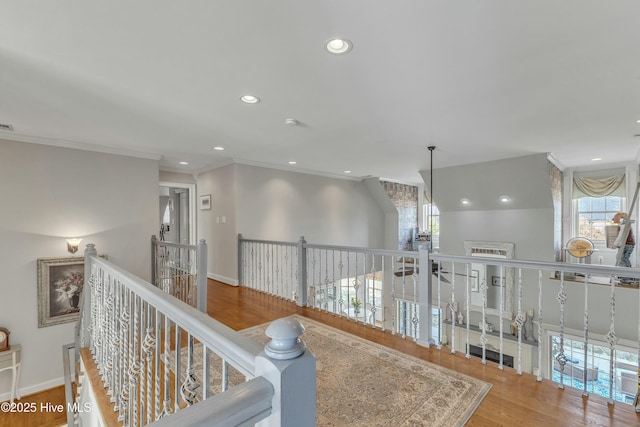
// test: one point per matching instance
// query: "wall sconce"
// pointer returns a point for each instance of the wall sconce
(72, 245)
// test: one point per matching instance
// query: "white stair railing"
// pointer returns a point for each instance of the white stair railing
(391, 293)
(145, 345)
(378, 288)
(181, 270)
(540, 276)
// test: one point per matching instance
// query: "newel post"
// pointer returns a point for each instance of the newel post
(302, 273)
(85, 309)
(202, 276)
(291, 368)
(425, 297)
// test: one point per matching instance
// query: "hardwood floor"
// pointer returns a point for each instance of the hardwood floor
(513, 400)
(30, 413)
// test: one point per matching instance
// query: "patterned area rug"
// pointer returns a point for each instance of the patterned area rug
(360, 383)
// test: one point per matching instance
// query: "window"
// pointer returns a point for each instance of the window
(594, 213)
(625, 384)
(434, 227)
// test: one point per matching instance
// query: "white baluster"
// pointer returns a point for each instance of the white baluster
(371, 295)
(341, 302)
(206, 372)
(539, 378)
(177, 365)
(612, 339)
(190, 383)
(519, 319)
(586, 333)
(561, 357)
(394, 300)
(468, 296)
(383, 291)
(166, 409)
(500, 317)
(124, 357)
(453, 308)
(416, 311)
(483, 334)
(224, 375)
(134, 365)
(149, 345)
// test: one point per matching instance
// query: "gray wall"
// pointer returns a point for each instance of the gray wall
(271, 204)
(218, 225)
(51, 194)
(528, 222)
(280, 205)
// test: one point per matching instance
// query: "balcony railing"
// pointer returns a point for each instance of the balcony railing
(181, 270)
(146, 347)
(374, 287)
(502, 317)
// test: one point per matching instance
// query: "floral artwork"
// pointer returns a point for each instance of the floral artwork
(60, 284)
(66, 287)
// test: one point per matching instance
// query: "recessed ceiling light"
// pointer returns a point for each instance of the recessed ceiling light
(290, 121)
(504, 199)
(596, 159)
(465, 201)
(338, 46)
(184, 163)
(218, 148)
(249, 99)
(292, 162)
(347, 171)
(638, 121)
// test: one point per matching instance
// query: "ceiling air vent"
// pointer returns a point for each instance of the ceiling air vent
(4, 126)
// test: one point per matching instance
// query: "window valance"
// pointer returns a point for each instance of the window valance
(598, 187)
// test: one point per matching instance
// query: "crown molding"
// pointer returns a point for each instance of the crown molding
(11, 136)
(557, 163)
(213, 166)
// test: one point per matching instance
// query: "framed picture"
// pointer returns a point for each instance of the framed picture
(60, 282)
(475, 281)
(205, 202)
(495, 281)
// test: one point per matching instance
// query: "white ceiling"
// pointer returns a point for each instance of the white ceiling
(479, 79)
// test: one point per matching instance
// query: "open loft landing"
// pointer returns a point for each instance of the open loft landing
(513, 399)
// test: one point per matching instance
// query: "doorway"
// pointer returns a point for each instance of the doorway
(177, 213)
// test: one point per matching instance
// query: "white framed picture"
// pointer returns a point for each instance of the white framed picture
(205, 202)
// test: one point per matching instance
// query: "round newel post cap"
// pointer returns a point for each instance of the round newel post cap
(285, 339)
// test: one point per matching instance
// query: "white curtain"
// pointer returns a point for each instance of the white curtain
(598, 187)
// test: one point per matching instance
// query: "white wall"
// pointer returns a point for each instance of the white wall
(54, 193)
(271, 204)
(170, 176)
(218, 225)
(280, 205)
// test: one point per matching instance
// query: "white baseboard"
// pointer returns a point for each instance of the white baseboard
(34, 388)
(223, 279)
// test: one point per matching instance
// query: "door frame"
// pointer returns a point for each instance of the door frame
(193, 220)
